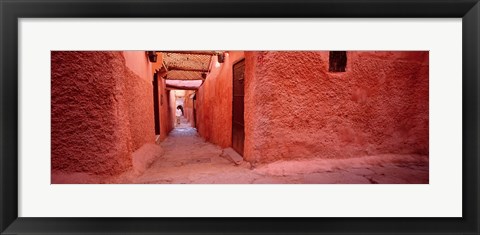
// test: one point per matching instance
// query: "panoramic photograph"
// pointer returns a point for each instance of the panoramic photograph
(239, 117)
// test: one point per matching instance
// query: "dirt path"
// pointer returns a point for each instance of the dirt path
(188, 159)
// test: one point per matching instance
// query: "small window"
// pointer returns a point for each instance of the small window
(338, 61)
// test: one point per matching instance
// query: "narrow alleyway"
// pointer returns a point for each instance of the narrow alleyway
(188, 159)
(247, 117)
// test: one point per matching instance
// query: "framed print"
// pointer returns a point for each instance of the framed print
(239, 117)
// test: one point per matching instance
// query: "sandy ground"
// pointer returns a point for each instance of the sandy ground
(188, 159)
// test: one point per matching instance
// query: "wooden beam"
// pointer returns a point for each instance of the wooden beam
(170, 68)
(182, 79)
(170, 87)
(161, 73)
(192, 52)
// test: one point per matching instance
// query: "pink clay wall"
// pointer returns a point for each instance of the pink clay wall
(89, 117)
(140, 98)
(102, 110)
(138, 63)
(214, 102)
(172, 107)
(188, 107)
(166, 121)
(295, 108)
(164, 101)
(203, 114)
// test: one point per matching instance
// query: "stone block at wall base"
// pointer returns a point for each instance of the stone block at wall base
(143, 157)
(232, 155)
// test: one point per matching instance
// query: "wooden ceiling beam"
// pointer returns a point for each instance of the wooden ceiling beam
(171, 68)
(182, 79)
(170, 87)
(192, 52)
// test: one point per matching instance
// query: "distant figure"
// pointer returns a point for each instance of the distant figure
(181, 108)
(178, 113)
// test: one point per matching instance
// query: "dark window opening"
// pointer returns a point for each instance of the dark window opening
(338, 61)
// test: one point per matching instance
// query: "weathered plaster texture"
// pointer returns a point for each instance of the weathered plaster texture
(166, 121)
(171, 108)
(102, 111)
(90, 131)
(139, 93)
(295, 108)
(188, 107)
(214, 102)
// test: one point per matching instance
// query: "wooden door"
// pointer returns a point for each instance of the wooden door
(194, 111)
(156, 104)
(238, 125)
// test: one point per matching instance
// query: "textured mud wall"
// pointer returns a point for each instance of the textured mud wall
(138, 63)
(295, 108)
(102, 110)
(214, 102)
(172, 107)
(90, 122)
(139, 92)
(188, 107)
(203, 114)
(166, 116)
(165, 111)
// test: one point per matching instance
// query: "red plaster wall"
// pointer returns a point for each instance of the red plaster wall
(163, 99)
(188, 107)
(89, 119)
(165, 110)
(102, 110)
(203, 113)
(139, 93)
(214, 102)
(172, 107)
(138, 63)
(295, 108)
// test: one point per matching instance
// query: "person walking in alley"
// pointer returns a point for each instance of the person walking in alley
(178, 114)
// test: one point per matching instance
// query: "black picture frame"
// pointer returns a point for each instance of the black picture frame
(12, 10)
